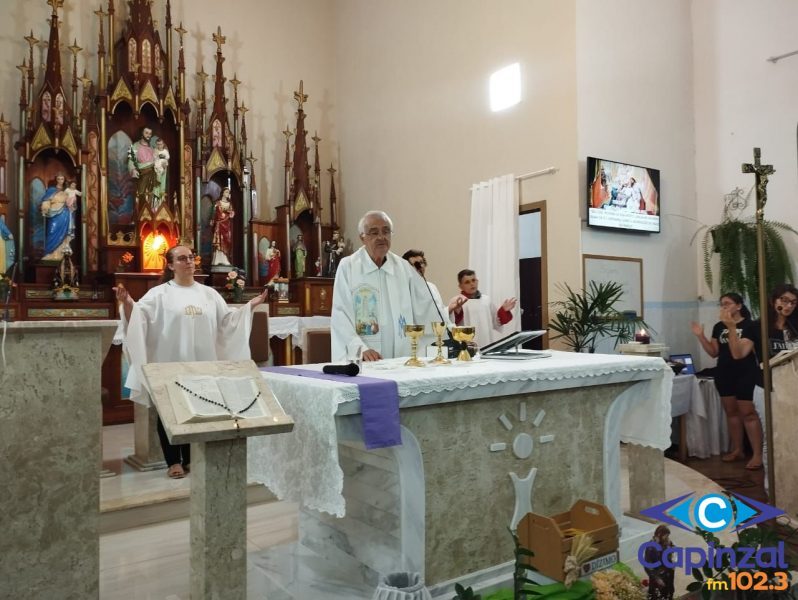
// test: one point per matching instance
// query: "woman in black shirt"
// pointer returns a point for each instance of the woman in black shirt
(734, 379)
(783, 335)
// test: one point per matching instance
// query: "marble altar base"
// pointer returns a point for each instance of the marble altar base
(50, 420)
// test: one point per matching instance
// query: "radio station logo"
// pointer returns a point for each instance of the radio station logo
(713, 513)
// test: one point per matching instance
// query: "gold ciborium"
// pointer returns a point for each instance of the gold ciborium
(438, 327)
(414, 332)
(464, 334)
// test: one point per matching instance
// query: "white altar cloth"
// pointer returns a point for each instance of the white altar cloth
(282, 327)
(303, 466)
(707, 430)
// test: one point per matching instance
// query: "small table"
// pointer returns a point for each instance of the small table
(703, 431)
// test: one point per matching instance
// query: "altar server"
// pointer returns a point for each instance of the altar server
(419, 262)
(181, 321)
(472, 307)
(376, 294)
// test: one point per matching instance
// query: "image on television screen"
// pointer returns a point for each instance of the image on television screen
(622, 196)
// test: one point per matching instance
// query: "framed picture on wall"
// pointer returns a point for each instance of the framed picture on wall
(626, 271)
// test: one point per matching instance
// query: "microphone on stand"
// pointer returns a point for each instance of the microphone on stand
(453, 345)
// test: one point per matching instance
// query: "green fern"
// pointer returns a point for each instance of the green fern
(735, 241)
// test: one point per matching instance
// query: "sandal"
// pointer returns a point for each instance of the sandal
(753, 467)
(176, 471)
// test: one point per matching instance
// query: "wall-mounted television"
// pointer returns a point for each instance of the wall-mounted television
(622, 196)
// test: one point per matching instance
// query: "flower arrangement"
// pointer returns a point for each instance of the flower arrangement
(125, 262)
(235, 284)
(617, 584)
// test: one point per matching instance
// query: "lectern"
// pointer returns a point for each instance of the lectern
(784, 367)
(215, 406)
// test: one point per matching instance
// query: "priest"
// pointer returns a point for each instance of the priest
(376, 294)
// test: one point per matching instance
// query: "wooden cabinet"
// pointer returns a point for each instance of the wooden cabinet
(314, 295)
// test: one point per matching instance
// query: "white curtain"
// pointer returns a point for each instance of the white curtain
(493, 242)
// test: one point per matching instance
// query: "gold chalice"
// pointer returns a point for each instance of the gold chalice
(438, 327)
(414, 332)
(464, 334)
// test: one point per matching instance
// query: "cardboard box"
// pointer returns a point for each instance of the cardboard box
(550, 538)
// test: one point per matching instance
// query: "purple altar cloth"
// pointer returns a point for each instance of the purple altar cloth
(379, 404)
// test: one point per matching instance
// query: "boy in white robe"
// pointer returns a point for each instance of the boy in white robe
(471, 307)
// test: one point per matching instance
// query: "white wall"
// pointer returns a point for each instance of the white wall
(416, 129)
(743, 101)
(635, 105)
(271, 45)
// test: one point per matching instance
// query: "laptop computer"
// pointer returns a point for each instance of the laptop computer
(687, 359)
(509, 347)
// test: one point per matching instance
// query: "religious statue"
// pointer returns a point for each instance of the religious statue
(222, 227)
(7, 247)
(160, 164)
(318, 267)
(273, 256)
(73, 194)
(335, 249)
(141, 158)
(65, 279)
(58, 207)
(300, 256)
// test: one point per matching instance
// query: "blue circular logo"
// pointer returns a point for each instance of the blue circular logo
(713, 512)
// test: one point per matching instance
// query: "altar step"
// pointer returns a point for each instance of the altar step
(150, 508)
(132, 498)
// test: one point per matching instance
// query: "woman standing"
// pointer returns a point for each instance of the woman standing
(782, 335)
(181, 321)
(734, 379)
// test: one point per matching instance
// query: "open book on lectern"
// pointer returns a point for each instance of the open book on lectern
(510, 347)
(209, 398)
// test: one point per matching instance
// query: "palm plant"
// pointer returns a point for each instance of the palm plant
(734, 239)
(586, 316)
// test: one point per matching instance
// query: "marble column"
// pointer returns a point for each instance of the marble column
(646, 477)
(148, 455)
(219, 520)
(50, 421)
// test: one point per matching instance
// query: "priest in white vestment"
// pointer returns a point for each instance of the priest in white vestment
(376, 294)
(471, 307)
(181, 321)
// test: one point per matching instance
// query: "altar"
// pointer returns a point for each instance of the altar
(482, 444)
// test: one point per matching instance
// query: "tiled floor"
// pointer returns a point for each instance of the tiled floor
(152, 562)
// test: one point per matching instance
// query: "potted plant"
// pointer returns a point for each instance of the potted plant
(734, 239)
(586, 316)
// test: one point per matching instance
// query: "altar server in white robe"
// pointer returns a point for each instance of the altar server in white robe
(472, 307)
(376, 294)
(180, 321)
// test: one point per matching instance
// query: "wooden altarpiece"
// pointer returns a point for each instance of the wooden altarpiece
(144, 134)
(222, 234)
(300, 214)
(54, 152)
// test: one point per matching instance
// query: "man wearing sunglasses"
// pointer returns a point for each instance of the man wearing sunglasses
(376, 294)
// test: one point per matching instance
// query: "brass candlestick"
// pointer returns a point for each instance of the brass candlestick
(438, 327)
(414, 332)
(464, 334)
